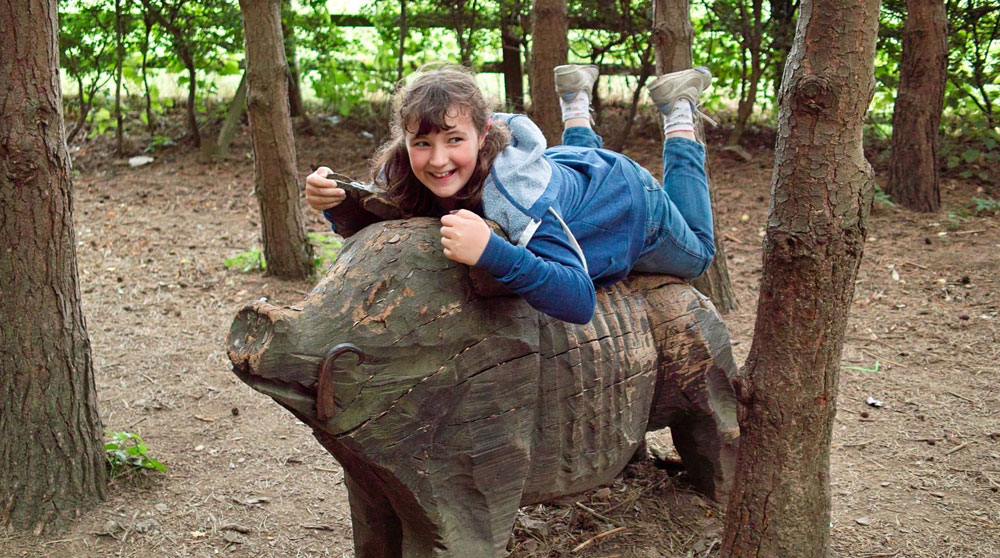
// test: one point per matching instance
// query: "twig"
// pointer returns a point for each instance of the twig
(878, 358)
(597, 515)
(916, 265)
(135, 422)
(204, 419)
(880, 555)
(858, 444)
(597, 537)
(953, 394)
(62, 541)
(325, 470)
(973, 231)
(991, 481)
(317, 527)
(957, 448)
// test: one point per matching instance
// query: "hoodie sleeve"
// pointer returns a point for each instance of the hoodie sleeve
(547, 273)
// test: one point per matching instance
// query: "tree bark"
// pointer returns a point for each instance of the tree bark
(782, 30)
(751, 28)
(672, 38)
(822, 193)
(236, 109)
(119, 62)
(916, 116)
(513, 74)
(51, 457)
(295, 103)
(286, 247)
(549, 45)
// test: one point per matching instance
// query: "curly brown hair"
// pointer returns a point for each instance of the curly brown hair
(425, 104)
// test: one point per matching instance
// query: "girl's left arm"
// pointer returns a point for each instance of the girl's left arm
(548, 274)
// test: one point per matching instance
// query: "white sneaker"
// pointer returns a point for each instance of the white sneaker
(573, 78)
(685, 84)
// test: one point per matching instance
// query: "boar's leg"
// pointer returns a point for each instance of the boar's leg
(694, 391)
(377, 530)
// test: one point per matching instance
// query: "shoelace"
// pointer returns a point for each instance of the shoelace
(707, 118)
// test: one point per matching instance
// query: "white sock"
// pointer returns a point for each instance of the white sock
(680, 118)
(579, 107)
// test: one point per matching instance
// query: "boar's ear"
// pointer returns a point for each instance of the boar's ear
(483, 284)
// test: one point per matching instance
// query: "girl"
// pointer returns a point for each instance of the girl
(576, 215)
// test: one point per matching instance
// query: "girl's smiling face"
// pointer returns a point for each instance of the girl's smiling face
(444, 160)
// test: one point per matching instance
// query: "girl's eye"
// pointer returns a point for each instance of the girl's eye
(420, 143)
(454, 140)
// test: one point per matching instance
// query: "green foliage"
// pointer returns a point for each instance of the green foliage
(326, 248)
(883, 198)
(969, 148)
(984, 205)
(251, 260)
(126, 454)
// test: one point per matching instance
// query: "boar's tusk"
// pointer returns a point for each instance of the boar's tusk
(325, 408)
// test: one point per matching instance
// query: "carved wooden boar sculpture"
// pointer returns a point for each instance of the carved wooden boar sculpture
(450, 406)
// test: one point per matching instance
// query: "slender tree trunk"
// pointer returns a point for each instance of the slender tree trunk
(782, 31)
(672, 38)
(626, 131)
(752, 25)
(822, 191)
(288, 23)
(51, 457)
(916, 116)
(119, 62)
(192, 121)
(513, 74)
(549, 45)
(148, 23)
(286, 248)
(402, 40)
(84, 111)
(236, 109)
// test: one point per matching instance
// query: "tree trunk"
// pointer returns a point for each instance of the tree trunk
(52, 457)
(916, 116)
(295, 104)
(822, 193)
(549, 45)
(402, 40)
(147, 22)
(752, 30)
(286, 248)
(229, 125)
(672, 38)
(192, 121)
(782, 31)
(513, 74)
(119, 61)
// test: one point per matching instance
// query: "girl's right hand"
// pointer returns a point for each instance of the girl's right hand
(322, 192)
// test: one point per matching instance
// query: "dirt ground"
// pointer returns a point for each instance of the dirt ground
(916, 477)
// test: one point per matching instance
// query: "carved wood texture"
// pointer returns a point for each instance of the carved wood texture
(469, 403)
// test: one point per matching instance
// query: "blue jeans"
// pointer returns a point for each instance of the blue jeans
(679, 239)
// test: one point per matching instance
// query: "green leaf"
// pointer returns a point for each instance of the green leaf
(970, 155)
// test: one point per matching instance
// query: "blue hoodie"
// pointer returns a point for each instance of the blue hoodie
(575, 216)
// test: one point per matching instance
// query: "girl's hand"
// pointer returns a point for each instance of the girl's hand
(464, 236)
(321, 192)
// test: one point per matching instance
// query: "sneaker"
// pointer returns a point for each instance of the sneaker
(573, 78)
(685, 84)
